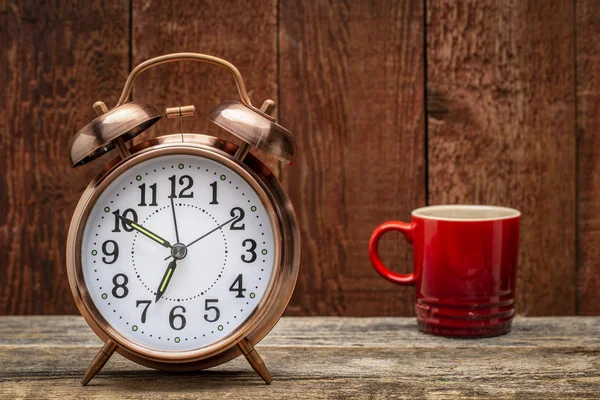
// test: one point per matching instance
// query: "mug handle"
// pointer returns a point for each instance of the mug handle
(407, 230)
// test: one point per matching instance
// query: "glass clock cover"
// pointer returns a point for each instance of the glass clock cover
(216, 282)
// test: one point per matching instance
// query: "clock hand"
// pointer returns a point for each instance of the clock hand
(174, 219)
(164, 283)
(206, 234)
(145, 232)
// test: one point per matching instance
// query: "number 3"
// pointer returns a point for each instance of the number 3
(250, 250)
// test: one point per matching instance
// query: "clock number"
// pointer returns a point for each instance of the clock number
(119, 222)
(207, 307)
(181, 317)
(114, 253)
(250, 250)
(143, 195)
(182, 192)
(147, 303)
(239, 214)
(236, 286)
(214, 193)
(122, 286)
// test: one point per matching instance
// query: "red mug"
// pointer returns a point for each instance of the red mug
(465, 264)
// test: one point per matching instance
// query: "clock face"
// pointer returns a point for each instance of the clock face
(177, 252)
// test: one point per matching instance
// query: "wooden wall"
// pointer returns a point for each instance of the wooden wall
(395, 104)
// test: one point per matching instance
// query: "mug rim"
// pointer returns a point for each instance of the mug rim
(509, 213)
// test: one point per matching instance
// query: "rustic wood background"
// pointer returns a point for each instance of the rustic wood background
(395, 104)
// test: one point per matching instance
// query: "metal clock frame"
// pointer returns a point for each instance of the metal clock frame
(269, 309)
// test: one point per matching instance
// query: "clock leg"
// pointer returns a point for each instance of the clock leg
(254, 359)
(98, 362)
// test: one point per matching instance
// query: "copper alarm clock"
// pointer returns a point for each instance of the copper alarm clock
(184, 251)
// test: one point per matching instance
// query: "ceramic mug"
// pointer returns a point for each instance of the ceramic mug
(465, 263)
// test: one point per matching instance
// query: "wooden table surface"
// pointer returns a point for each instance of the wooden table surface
(324, 357)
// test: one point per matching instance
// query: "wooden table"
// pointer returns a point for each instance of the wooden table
(320, 357)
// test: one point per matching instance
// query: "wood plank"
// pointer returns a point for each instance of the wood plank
(351, 77)
(536, 332)
(245, 36)
(301, 373)
(588, 126)
(57, 60)
(535, 361)
(501, 118)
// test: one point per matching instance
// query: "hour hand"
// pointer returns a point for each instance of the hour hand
(145, 232)
(164, 282)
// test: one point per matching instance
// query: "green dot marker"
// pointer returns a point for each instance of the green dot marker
(180, 166)
(134, 328)
(104, 296)
(177, 340)
(138, 178)
(220, 327)
(253, 208)
(252, 295)
(106, 209)
(264, 251)
(223, 177)
(94, 252)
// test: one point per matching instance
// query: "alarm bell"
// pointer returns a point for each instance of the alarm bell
(255, 128)
(121, 124)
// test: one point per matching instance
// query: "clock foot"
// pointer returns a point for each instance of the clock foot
(98, 362)
(254, 359)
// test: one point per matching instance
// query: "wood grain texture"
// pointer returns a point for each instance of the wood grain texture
(539, 332)
(242, 34)
(56, 60)
(543, 358)
(504, 127)
(501, 119)
(588, 131)
(351, 77)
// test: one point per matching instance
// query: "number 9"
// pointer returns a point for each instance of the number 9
(114, 253)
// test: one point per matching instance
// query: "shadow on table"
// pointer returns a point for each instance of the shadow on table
(144, 380)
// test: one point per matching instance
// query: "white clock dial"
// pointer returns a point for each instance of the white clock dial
(177, 252)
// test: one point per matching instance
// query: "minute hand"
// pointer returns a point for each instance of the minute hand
(206, 234)
(146, 232)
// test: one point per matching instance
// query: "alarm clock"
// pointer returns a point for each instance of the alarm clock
(184, 251)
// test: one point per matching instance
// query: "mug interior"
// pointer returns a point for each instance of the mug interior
(466, 213)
